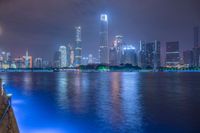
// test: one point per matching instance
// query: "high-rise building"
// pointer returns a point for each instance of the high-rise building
(63, 56)
(28, 60)
(129, 55)
(72, 57)
(38, 63)
(19, 62)
(196, 49)
(56, 60)
(149, 54)
(103, 46)
(113, 58)
(172, 54)
(78, 49)
(115, 52)
(188, 58)
(69, 48)
(5, 59)
(46, 63)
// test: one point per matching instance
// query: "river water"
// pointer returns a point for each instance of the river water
(106, 102)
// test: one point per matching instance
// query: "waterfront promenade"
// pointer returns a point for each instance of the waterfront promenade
(8, 122)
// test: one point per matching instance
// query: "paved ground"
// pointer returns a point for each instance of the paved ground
(8, 124)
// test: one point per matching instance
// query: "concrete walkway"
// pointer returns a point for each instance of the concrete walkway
(8, 122)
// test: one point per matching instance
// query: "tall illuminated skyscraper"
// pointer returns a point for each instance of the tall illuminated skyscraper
(78, 49)
(103, 47)
(63, 56)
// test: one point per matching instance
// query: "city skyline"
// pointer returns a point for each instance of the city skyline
(37, 29)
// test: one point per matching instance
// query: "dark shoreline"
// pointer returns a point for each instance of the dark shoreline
(78, 70)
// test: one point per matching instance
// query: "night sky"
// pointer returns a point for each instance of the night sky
(42, 25)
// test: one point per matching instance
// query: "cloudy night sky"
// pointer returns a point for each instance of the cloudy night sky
(42, 25)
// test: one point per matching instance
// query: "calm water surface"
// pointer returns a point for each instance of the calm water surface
(75, 102)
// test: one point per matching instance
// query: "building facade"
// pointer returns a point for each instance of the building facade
(196, 49)
(38, 63)
(129, 55)
(78, 48)
(115, 53)
(149, 54)
(103, 46)
(188, 58)
(63, 56)
(172, 54)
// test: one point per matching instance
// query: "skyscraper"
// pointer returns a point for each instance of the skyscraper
(188, 58)
(129, 55)
(78, 49)
(196, 49)
(103, 48)
(56, 60)
(172, 54)
(115, 53)
(113, 60)
(38, 63)
(63, 56)
(28, 60)
(149, 54)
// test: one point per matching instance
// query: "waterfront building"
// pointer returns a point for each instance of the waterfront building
(38, 63)
(90, 59)
(72, 57)
(19, 62)
(103, 46)
(129, 55)
(46, 64)
(196, 49)
(5, 60)
(69, 48)
(4, 56)
(115, 52)
(172, 54)
(84, 61)
(56, 60)
(63, 56)
(28, 60)
(113, 60)
(78, 48)
(188, 58)
(149, 54)
(196, 57)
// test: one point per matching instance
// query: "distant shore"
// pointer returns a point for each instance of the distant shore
(94, 70)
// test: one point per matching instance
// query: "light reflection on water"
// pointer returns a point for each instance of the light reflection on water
(75, 102)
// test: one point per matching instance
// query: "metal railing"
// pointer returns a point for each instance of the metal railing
(5, 112)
